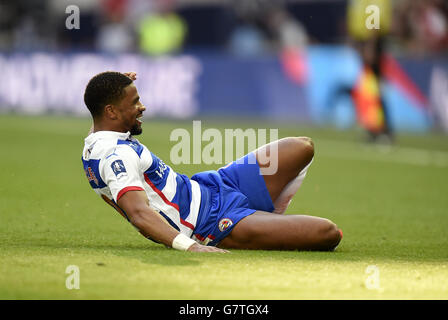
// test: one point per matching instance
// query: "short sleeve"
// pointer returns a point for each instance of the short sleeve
(121, 172)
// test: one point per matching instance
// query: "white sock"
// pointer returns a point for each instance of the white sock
(285, 197)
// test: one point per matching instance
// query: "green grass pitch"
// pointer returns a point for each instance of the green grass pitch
(391, 204)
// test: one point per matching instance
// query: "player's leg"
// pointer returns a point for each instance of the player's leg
(293, 155)
(284, 199)
(268, 231)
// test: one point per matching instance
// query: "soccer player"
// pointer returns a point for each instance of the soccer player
(233, 207)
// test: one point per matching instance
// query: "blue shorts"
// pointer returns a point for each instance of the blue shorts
(229, 195)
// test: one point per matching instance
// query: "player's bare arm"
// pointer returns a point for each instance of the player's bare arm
(151, 224)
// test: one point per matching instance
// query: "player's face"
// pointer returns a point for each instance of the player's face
(130, 111)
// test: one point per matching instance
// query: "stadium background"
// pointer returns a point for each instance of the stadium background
(290, 65)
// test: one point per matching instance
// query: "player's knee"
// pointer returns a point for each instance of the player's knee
(304, 147)
(307, 146)
(330, 235)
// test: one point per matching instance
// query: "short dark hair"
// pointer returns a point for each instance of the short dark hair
(103, 89)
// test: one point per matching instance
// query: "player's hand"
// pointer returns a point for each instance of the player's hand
(132, 75)
(200, 248)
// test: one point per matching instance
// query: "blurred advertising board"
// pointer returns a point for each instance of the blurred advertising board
(310, 87)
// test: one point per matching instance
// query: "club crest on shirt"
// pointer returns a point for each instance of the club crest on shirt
(91, 175)
(224, 224)
(118, 168)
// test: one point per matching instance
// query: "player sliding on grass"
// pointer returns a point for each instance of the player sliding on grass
(234, 207)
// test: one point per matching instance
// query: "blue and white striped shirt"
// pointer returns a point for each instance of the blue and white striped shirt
(116, 163)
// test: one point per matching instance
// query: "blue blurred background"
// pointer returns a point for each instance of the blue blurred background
(297, 61)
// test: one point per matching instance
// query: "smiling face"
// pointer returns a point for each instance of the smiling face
(129, 111)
